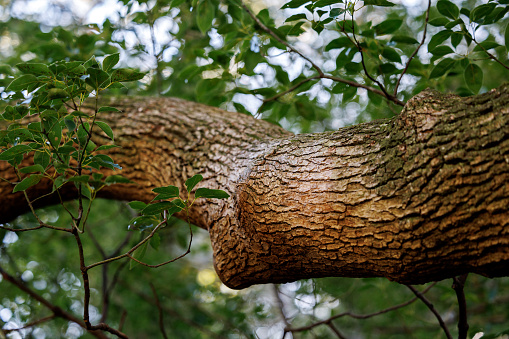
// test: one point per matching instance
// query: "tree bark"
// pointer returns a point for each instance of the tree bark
(417, 198)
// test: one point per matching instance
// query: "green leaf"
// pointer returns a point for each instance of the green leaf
(439, 22)
(448, 9)
(27, 182)
(142, 223)
(296, 17)
(106, 147)
(110, 61)
(57, 93)
(166, 192)
(485, 45)
(97, 77)
(34, 68)
(126, 74)
(106, 129)
(117, 179)
(205, 16)
(388, 26)
(32, 169)
(107, 109)
(474, 77)
(402, 39)
(391, 54)
(323, 3)
(97, 176)
(383, 3)
(80, 178)
(191, 182)
(340, 43)
(441, 51)
(42, 159)
(442, 67)
(438, 38)
(22, 83)
(210, 193)
(137, 205)
(14, 151)
(295, 4)
(481, 11)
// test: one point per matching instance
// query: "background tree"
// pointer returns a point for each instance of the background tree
(309, 66)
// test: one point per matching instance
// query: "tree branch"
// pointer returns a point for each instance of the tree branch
(432, 309)
(57, 311)
(321, 74)
(458, 286)
(360, 316)
(160, 311)
(416, 50)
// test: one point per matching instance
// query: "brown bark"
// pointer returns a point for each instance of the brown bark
(417, 198)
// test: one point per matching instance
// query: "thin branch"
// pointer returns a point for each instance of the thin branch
(128, 253)
(416, 50)
(280, 305)
(57, 311)
(360, 316)
(458, 286)
(335, 330)
(382, 87)
(293, 88)
(321, 74)
(432, 309)
(31, 324)
(160, 310)
(489, 54)
(278, 39)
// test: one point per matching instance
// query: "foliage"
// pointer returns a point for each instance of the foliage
(307, 65)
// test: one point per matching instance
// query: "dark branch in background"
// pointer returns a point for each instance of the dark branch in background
(494, 58)
(31, 324)
(416, 50)
(458, 286)
(172, 313)
(57, 311)
(335, 330)
(432, 309)
(321, 74)
(160, 311)
(356, 42)
(279, 304)
(361, 316)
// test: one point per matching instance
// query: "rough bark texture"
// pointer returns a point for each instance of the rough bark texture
(417, 198)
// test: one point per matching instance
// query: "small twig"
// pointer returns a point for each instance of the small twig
(128, 253)
(489, 54)
(335, 330)
(280, 305)
(160, 310)
(57, 311)
(293, 88)
(33, 323)
(380, 85)
(321, 74)
(360, 316)
(458, 286)
(416, 50)
(278, 39)
(432, 309)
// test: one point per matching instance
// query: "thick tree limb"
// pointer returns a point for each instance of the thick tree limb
(418, 198)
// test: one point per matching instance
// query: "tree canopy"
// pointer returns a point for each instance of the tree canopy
(305, 65)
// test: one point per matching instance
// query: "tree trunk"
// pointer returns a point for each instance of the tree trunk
(417, 198)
